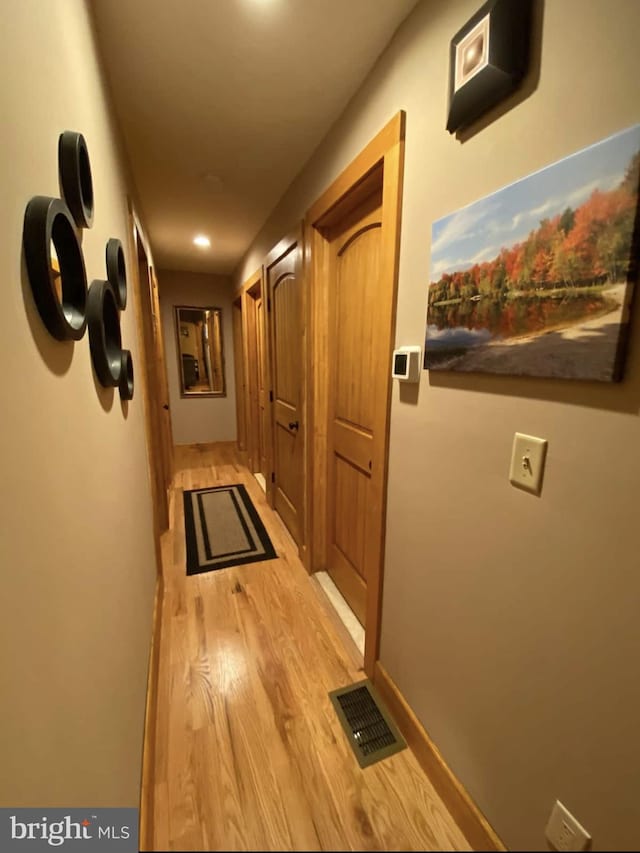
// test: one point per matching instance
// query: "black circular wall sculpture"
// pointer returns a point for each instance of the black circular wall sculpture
(105, 339)
(117, 271)
(126, 376)
(75, 176)
(61, 303)
(57, 274)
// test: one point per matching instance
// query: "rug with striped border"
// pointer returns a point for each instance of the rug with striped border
(223, 529)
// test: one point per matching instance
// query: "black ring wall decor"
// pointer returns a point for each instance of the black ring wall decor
(48, 221)
(125, 383)
(105, 338)
(75, 176)
(117, 271)
(50, 233)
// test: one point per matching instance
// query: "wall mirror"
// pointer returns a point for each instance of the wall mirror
(200, 355)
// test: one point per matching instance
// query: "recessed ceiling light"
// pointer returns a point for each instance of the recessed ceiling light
(202, 241)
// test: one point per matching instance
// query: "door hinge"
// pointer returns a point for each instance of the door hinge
(271, 396)
(273, 476)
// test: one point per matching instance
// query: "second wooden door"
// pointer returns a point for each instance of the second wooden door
(284, 289)
(263, 392)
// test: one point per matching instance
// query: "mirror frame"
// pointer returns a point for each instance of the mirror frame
(195, 395)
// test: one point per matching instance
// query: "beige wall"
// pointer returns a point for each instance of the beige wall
(510, 623)
(198, 420)
(76, 545)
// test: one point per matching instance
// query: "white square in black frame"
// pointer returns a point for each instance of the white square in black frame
(472, 54)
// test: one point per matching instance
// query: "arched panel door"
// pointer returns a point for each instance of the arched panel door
(284, 287)
(354, 398)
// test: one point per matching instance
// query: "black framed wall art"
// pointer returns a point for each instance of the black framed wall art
(488, 58)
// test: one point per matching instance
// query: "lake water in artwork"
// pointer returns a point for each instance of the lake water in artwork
(457, 328)
(537, 278)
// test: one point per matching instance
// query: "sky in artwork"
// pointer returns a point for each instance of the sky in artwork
(476, 233)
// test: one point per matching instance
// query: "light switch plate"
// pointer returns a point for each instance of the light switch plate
(527, 462)
(564, 832)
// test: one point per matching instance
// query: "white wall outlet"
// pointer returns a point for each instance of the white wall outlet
(527, 462)
(563, 831)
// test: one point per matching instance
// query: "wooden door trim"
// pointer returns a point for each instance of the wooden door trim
(267, 384)
(249, 290)
(154, 451)
(358, 170)
(380, 164)
(253, 387)
(164, 381)
(149, 748)
(150, 737)
(282, 247)
(276, 254)
(238, 371)
(252, 282)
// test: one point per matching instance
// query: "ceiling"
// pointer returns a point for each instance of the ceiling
(221, 102)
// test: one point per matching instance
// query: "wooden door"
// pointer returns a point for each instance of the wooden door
(155, 384)
(238, 366)
(352, 241)
(356, 327)
(285, 311)
(263, 390)
(253, 407)
(162, 398)
(252, 372)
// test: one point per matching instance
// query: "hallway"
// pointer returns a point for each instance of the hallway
(250, 754)
(267, 194)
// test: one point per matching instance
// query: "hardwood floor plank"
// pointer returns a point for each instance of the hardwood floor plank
(161, 816)
(250, 753)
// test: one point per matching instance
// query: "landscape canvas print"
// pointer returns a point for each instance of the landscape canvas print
(537, 279)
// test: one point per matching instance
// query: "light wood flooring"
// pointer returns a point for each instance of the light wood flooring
(249, 753)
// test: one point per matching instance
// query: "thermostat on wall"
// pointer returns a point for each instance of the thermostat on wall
(406, 364)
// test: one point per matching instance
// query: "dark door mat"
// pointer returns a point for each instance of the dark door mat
(367, 723)
(223, 529)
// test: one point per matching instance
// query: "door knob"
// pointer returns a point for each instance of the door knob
(293, 425)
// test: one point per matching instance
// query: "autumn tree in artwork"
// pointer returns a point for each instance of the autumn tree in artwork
(578, 248)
